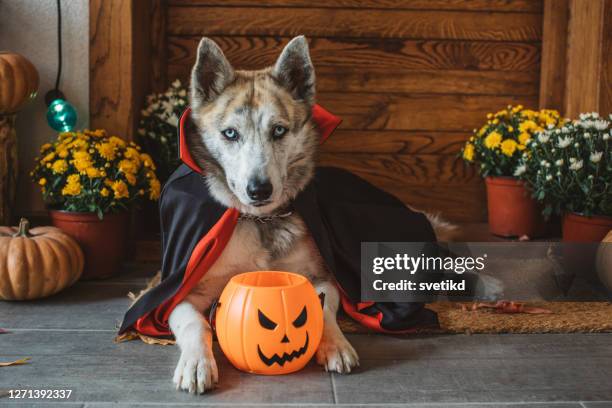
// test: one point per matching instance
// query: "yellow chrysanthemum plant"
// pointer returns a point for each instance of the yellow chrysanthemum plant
(498, 146)
(88, 171)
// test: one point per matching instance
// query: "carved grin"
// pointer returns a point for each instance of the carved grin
(281, 360)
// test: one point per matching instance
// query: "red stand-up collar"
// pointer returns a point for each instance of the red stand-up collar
(326, 123)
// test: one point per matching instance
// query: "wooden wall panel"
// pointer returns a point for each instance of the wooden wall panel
(415, 111)
(356, 65)
(376, 23)
(410, 78)
(365, 54)
(473, 5)
(395, 142)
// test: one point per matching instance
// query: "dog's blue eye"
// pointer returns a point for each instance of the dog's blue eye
(230, 134)
(278, 132)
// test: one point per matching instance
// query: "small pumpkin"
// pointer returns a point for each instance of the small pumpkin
(37, 262)
(269, 322)
(18, 82)
(604, 261)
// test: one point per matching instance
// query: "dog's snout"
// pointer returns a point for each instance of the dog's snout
(259, 190)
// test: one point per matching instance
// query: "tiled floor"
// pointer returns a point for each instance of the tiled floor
(70, 340)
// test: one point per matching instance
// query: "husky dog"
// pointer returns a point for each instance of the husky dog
(256, 142)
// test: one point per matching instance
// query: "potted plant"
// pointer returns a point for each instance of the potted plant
(498, 147)
(570, 171)
(88, 181)
(158, 127)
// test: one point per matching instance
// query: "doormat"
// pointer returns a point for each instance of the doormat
(564, 317)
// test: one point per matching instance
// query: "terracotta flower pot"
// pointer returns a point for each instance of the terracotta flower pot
(512, 211)
(604, 261)
(103, 241)
(579, 228)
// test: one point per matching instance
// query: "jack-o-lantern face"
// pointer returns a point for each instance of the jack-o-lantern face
(285, 357)
(269, 322)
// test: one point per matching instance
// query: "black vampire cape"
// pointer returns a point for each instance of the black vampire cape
(340, 210)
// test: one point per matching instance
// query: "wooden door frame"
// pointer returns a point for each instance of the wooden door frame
(576, 69)
(127, 54)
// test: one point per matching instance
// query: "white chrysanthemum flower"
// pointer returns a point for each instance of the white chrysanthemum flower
(182, 93)
(543, 163)
(549, 177)
(576, 144)
(572, 160)
(565, 130)
(586, 135)
(176, 83)
(596, 157)
(168, 107)
(172, 120)
(577, 165)
(543, 137)
(601, 124)
(606, 136)
(559, 162)
(520, 169)
(564, 142)
(551, 126)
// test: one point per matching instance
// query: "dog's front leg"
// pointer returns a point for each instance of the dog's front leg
(335, 353)
(196, 370)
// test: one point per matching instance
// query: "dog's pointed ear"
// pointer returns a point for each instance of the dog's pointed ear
(294, 70)
(211, 73)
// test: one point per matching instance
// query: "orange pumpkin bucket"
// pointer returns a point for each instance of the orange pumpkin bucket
(269, 322)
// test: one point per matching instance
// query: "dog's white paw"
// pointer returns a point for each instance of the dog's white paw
(196, 372)
(336, 354)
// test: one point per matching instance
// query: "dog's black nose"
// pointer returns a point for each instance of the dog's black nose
(259, 190)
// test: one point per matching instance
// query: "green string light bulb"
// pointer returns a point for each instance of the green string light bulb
(61, 115)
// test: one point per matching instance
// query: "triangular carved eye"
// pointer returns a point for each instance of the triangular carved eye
(265, 322)
(301, 319)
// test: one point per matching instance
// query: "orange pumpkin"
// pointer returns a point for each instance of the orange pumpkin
(38, 262)
(269, 322)
(18, 82)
